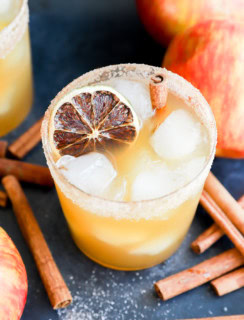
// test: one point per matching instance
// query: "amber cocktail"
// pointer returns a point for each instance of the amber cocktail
(15, 64)
(128, 207)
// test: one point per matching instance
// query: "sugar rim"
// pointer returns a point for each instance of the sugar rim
(13, 32)
(157, 207)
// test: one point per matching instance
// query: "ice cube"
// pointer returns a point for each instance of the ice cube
(152, 183)
(8, 9)
(178, 136)
(92, 173)
(137, 94)
(111, 236)
(116, 190)
(143, 160)
(5, 6)
(155, 246)
(189, 169)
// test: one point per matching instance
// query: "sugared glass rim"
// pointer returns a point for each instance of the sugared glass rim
(194, 97)
(14, 31)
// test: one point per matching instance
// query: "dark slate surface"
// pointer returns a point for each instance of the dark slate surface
(68, 39)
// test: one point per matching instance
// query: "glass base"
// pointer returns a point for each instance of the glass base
(6, 128)
(106, 265)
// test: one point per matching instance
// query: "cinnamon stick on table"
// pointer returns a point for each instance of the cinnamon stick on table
(222, 220)
(199, 274)
(207, 238)
(54, 284)
(3, 148)
(229, 282)
(26, 172)
(210, 236)
(28, 140)
(237, 317)
(3, 199)
(225, 201)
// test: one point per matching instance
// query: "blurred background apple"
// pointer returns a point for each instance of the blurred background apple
(163, 19)
(13, 280)
(211, 56)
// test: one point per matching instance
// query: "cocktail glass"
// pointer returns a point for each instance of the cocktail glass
(136, 234)
(15, 64)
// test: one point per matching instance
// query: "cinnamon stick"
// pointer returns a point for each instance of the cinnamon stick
(210, 236)
(199, 274)
(206, 239)
(237, 317)
(225, 201)
(158, 91)
(28, 140)
(3, 148)
(3, 199)
(222, 221)
(229, 282)
(241, 202)
(52, 279)
(26, 172)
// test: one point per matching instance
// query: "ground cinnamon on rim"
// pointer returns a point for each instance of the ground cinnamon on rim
(27, 141)
(52, 279)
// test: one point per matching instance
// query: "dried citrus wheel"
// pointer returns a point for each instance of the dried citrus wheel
(92, 118)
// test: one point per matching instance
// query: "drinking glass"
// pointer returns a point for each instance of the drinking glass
(136, 234)
(15, 64)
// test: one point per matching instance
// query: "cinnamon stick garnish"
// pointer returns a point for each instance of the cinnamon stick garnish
(3, 148)
(28, 140)
(199, 274)
(52, 279)
(210, 236)
(225, 201)
(222, 221)
(3, 199)
(229, 282)
(237, 317)
(26, 172)
(158, 91)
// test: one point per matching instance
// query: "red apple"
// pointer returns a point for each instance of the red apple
(211, 56)
(163, 19)
(13, 280)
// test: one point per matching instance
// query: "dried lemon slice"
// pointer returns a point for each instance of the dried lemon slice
(92, 118)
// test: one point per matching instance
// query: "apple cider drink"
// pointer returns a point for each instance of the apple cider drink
(128, 174)
(15, 64)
